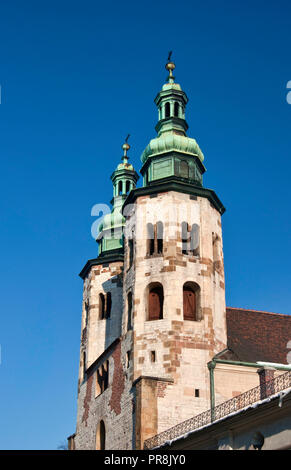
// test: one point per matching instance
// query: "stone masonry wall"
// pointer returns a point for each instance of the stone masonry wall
(99, 333)
(102, 341)
(115, 406)
(182, 348)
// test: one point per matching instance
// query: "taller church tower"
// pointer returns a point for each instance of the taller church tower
(154, 298)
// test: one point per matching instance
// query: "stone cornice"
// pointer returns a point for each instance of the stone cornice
(174, 184)
(149, 377)
(110, 257)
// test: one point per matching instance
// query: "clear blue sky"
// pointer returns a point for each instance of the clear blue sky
(76, 77)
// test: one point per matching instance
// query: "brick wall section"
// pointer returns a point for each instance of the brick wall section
(114, 406)
(266, 375)
(258, 336)
(87, 399)
(117, 381)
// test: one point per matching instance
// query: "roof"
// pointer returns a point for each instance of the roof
(258, 336)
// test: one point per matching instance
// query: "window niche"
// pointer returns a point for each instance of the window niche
(105, 305)
(129, 311)
(128, 359)
(155, 239)
(217, 265)
(155, 301)
(150, 239)
(102, 374)
(108, 304)
(127, 187)
(191, 301)
(101, 436)
(190, 239)
(86, 314)
(83, 366)
(101, 306)
(130, 248)
(160, 237)
(120, 188)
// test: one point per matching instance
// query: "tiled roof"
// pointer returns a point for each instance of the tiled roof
(258, 336)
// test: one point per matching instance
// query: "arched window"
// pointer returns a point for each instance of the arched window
(99, 382)
(215, 247)
(105, 372)
(190, 240)
(194, 240)
(119, 188)
(155, 236)
(102, 375)
(108, 304)
(101, 306)
(155, 301)
(86, 313)
(84, 365)
(150, 239)
(176, 109)
(160, 236)
(185, 236)
(100, 436)
(127, 186)
(167, 110)
(129, 311)
(191, 301)
(217, 265)
(184, 169)
(130, 246)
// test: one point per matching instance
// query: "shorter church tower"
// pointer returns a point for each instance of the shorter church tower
(103, 359)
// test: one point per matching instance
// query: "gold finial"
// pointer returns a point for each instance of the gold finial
(125, 147)
(170, 66)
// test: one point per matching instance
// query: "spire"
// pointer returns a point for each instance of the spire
(125, 147)
(172, 154)
(124, 179)
(170, 66)
(171, 103)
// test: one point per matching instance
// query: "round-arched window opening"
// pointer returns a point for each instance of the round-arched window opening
(167, 110)
(155, 301)
(100, 436)
(127, 187)
(191, 301)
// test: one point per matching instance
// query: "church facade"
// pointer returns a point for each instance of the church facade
(155, 328)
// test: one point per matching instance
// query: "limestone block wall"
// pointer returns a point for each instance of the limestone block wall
(181, 348)
(232, 380)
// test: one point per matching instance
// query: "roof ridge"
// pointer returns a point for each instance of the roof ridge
(259, 311)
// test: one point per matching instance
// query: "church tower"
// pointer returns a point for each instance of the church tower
(154, 298)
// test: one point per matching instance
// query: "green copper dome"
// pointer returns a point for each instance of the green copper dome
(125, 166)
(168, 142)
